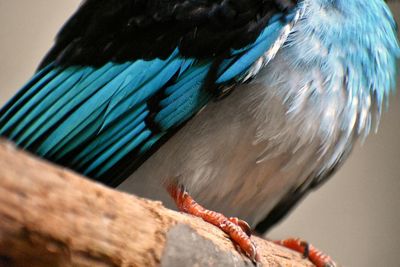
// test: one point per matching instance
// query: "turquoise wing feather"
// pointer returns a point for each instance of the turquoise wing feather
(105, 121)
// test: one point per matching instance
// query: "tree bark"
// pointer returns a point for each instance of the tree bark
(50, 216)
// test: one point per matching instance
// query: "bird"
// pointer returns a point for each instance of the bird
(245, 106)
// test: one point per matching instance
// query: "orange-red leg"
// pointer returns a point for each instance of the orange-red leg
(314, 255)
(238, 230)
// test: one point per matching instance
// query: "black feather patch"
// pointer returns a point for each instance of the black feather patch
(121, 30)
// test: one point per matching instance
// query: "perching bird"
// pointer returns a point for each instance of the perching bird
(246, 105)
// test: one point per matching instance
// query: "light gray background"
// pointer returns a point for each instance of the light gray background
(355, 216)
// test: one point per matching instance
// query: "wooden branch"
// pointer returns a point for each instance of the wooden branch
(50, 216)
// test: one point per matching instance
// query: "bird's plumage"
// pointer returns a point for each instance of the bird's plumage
(126, 30)
(115, 94)
(113, 87)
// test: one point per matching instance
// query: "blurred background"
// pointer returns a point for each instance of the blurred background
(354, 217)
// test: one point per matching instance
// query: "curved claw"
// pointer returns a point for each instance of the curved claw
(237, 230)
(317, 257)
(242, 224)
(241, 238)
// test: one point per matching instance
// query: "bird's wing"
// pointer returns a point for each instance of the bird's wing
(124, 75)
(125, 30)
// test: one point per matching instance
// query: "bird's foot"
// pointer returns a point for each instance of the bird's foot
(317, 257)
(239, 231)
(242, 224)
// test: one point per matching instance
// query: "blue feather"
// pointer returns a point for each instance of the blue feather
(110, 136)
(26, 92)
(123, 146)
(252, 53)
(92, 119)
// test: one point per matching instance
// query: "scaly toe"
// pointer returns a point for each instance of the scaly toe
(238, 230)
(241, 239)
(242, 224)
(314, 255)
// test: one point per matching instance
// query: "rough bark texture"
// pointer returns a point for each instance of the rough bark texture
(50, 216)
